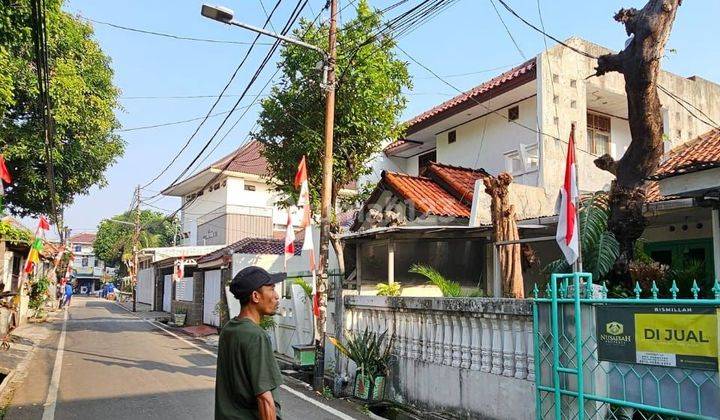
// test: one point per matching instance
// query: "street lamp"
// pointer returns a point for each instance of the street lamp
(225, 15)
(219, 13)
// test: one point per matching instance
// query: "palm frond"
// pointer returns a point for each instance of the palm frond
(448, 288)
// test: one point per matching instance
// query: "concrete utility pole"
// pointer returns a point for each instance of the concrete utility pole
(325, 209)
(136, 240)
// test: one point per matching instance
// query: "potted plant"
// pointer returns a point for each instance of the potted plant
(180, 315)
(371, 353)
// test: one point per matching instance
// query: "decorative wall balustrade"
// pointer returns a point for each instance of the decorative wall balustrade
(480, 334)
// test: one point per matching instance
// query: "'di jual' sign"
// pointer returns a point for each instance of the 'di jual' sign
(674, 336)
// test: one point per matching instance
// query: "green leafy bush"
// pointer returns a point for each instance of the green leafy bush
(368, 350)
(385, 289)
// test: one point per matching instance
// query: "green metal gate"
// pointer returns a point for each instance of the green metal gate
(574, 381)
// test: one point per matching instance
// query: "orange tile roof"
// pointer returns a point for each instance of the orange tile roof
(460, 180)
(427, 196)
(512, 78)
(700, 153)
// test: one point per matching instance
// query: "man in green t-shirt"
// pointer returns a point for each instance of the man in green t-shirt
(248, 376)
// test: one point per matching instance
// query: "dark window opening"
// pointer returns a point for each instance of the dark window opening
(249, 187)
(513, 113)
(452, 137)
(424, 161)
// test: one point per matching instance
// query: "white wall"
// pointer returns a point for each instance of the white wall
(482, 143)
(570, 66)
(209, 201)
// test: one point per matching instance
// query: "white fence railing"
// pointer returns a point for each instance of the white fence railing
(483, 338)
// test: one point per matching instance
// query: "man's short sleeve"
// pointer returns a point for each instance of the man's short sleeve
(261, 366)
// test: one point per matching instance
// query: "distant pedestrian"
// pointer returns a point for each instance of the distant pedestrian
(248, 376)
(68, 294)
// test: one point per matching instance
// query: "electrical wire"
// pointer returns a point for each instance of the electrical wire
(526, 22)
(166, 35)
(227, 85)
(512, 38)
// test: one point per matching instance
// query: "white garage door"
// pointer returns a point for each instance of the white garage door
(146, 286)
(167, 292)
(212, 298)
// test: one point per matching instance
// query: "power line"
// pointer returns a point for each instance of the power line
(146, 127)
(166, 35)
(526, 22)
(291, 20)
(227, 85)
(236, 154)
(512, 38)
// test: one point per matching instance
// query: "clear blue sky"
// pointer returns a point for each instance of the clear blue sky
(466, 38)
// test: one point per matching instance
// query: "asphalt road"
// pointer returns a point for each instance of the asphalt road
(114, 365)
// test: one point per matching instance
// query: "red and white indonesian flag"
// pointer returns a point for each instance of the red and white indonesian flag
(567, 228)
(289, 238)
(6, 179)
(301, 181)
(179, 272)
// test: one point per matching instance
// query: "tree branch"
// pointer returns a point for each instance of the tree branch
(606, 163)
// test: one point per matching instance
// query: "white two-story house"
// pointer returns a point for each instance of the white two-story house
(238, 203)
(519, 122)
(88, 269)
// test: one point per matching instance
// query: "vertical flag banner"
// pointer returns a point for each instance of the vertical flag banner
(301, 181)
(567, 228)
(179, 272)
(6, 179)
(289, 239)
(33, 258)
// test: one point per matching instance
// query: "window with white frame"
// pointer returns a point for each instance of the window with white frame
(598, 134)
(522, 160)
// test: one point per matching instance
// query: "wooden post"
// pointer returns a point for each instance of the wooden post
(358, 267)
(497, 280)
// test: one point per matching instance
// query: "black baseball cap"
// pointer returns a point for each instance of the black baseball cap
(252, 278)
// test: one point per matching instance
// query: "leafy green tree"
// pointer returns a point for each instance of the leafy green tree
(113, 243)
(369, 102)
(83, 100)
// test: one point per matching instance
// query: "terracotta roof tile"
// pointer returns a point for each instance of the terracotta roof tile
(251, 246)
(426, 195)
(460, 180)
(247, 159)
(695, 155)
(82, 238)
(511, 78)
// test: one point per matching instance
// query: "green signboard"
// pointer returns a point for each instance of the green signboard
(673, 336)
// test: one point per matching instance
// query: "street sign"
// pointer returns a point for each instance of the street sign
(660, 335)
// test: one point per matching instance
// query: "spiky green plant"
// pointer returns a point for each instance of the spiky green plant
(447, 287)
(599, 247)
(368, 350)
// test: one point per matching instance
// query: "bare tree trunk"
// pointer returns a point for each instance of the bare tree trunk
(639, 63)
(505, 229)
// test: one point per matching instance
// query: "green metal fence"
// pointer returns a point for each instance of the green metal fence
(589, 366)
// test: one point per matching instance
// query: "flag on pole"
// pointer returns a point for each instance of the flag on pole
(6, 179)
(301, 181)
(179, 272)
(567, 228)
(289, 239)
(34, 255)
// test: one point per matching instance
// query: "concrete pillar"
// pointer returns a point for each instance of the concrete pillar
(716, 240)
(391, 262)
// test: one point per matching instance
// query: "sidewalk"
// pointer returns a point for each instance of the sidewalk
(24, 342)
